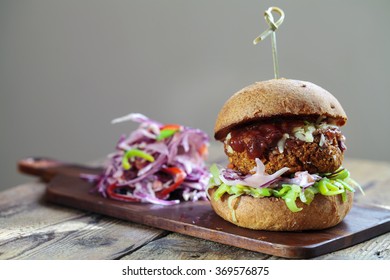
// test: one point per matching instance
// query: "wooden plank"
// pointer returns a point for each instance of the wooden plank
(34, 229)
(180, 247)
(177, 246)
(23, 194)
(374, 176)
(87, 237)
(22, 208)
(373, 249)
(199, 220)
(184, 247)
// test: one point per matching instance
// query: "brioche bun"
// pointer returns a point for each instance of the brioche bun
(282, 98)
(271, 213)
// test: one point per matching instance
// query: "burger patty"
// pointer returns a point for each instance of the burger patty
(298, 155)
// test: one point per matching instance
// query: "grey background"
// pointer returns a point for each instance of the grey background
(68, 67)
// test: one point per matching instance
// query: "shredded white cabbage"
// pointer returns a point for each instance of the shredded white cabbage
(259, 179)
(282, 142)
(322, 140)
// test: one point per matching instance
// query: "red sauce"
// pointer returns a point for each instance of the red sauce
(256, 139)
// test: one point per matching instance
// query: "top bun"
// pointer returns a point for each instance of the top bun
(277, 98)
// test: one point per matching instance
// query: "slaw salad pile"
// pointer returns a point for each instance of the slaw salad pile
(156, 163)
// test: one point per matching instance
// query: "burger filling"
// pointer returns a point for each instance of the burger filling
(293, 160)
(316, 147)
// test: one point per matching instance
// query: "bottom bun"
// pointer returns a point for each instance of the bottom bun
(271, 213)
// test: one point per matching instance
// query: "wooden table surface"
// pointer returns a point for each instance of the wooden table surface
(31, 228)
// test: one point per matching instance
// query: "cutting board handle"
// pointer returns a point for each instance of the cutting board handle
(47, 168)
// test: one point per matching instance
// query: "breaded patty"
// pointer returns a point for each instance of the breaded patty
(298, 155)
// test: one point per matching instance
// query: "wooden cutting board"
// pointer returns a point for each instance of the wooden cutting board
(199, 220)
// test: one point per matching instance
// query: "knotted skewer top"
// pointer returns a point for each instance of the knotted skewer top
(273, 26)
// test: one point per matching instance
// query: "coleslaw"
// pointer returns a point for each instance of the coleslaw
(157, 163)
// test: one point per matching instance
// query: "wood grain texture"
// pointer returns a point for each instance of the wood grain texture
(181, 247)
(177, 246)
(86, 237)
(373, 249)
(34, 229)
(199, 220)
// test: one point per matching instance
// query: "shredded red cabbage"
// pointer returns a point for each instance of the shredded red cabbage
(176, 172)
(257, 180)
(303, 179)
(260, 179)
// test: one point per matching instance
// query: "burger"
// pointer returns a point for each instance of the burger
(285, 149)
